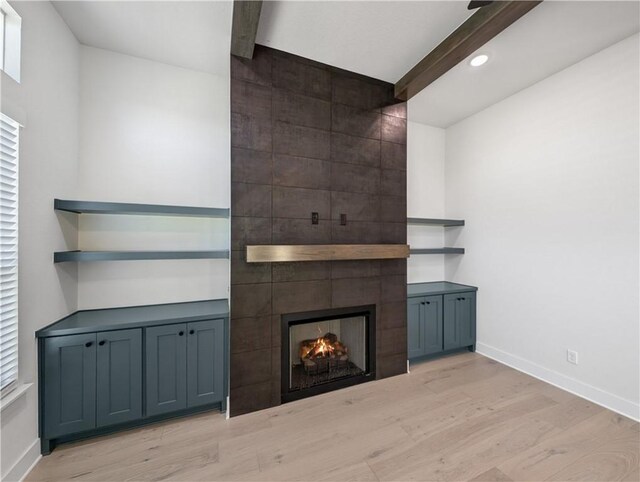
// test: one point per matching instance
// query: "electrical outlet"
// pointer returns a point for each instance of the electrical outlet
(572, 357)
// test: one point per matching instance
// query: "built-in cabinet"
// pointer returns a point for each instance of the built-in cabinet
(105, 379)
(441, 316)
(182, 369)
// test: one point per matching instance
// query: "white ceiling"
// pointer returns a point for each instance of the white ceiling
(190, 34)
(385, 39)
(381, 39)
(549, 38)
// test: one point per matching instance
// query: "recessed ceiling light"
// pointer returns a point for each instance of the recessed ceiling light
(478, 60)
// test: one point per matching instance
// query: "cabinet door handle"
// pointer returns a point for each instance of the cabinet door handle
(427, 302)
(101, 342)
(181, 333)
(88, 344)
(191, 332)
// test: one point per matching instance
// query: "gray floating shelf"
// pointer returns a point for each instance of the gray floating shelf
(437, 251)
(436, 222)
(63, 256)
(95, 207)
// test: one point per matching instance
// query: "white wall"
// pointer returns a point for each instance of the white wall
(46, 103)
(152, 133)
(547, 181)
(425, 198)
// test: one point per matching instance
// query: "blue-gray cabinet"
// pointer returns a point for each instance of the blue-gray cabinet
(441, 316)
(106, 370)
(119, 376)
(70, 384)
(424, 325)
(185, 365)
(415, 327)
(166, 371)
(205, 367)
(459, 320)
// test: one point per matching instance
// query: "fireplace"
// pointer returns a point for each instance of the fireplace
(327, 350)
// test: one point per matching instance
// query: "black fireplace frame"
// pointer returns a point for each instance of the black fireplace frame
(291, 319)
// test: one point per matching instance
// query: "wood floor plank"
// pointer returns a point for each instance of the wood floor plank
(615, 459)
(462, 417)
(494, 474)
(550, 457)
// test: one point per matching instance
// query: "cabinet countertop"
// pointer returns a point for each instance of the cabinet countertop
(88, 321)
(437, 288)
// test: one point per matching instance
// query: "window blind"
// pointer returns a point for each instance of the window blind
(9, 136)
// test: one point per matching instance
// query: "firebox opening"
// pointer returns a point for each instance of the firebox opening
(327, 350)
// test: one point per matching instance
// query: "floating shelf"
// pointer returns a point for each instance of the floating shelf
(94, 207)
(64, 256)
(436, 222)
(438, 251)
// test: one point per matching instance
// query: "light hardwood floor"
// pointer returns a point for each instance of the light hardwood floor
(463, 417)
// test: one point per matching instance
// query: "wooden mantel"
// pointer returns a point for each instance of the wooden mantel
(324, 252)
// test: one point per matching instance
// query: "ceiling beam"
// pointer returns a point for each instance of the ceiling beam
(476, 31)
(246, 16)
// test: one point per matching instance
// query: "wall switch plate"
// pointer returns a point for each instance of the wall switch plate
(572, 357)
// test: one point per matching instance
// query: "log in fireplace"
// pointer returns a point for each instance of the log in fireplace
(327, 350)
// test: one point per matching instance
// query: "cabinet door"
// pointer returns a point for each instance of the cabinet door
(69, 384)
(119, 376)
(459, 320)
(432, 322)
(205, 362)
(166, 368)
(415, 327)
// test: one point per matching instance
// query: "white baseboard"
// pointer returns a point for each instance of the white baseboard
(584, 390)
(23, 466)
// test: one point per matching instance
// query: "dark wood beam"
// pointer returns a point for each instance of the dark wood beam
(476, 31)
(246, 16)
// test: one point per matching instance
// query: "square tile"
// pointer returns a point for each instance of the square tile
(357, 92)
(250, 166)
(301, 110)
(301, 172)
(301, 231)
(357, 206)
(294, 202)
(250, 300)
(394, 156)
(355, 150)
(300, 296)
(355, 178)
(355, 292)
(394, 129)
(301, 77)
(301, 141)
(355, 122)
(355, 232)
(250, 99)
(251, 199)
(250, 132)
(393, 183)
(250, 334)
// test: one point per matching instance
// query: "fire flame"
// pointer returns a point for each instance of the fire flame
(322, 347)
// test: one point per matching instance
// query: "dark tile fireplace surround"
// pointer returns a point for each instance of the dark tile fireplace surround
(307, 137)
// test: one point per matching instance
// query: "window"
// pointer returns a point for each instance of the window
(3, 22)
(10, 28)
(9, 136)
